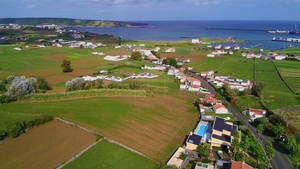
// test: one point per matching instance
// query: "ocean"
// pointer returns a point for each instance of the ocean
(181, 30)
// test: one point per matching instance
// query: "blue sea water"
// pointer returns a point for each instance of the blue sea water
(175, 30)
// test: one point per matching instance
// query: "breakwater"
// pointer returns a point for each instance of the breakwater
(238, 29)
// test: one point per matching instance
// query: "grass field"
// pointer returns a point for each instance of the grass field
(290, 72)
(8, 118)
(46, 146)
(148, 125)
(109, 155)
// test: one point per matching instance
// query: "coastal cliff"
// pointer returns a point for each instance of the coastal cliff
(71, 22)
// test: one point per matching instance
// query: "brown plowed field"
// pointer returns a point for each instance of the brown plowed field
(46, 146)
(58, 78)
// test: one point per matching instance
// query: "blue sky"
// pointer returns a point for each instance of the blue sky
(139, 10)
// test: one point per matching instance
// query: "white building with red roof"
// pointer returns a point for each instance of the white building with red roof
(220, 109)
(257, 113)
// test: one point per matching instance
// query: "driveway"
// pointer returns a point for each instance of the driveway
(280, 160)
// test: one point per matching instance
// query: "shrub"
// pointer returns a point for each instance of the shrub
(15, 129)
(3, 134)
(206, 160)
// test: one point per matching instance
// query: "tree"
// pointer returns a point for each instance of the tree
(203, 150)
(66, 66)
(258, 88)
(21, 86)
(245, 145)
(292, 145)
(247, 116)
(278, 130)
(75, 84)
(136, 55)
(155, 54)
(270, 152)
(43, 84)
(235, 144)
(260, 129)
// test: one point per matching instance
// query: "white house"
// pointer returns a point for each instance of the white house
(201, 108)
(17, 48)
(281, 56)
(170, 50)
(220, 109)
(218, 47)
(219, 52)
(195, 41)
(210, 55)
(257, 113)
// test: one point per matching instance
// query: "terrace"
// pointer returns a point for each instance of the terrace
(203, 129)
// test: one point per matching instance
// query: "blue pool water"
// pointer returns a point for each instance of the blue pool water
(202, 130)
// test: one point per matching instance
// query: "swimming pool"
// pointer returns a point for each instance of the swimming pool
(202, 129)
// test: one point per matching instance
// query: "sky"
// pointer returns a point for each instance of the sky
(147, 10)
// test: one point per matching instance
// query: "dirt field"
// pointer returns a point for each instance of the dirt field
(46, 146)
(58, 78)
(193, 58)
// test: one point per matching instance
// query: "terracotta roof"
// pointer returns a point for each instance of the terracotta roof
(240, 165)
(209, 96)
(201, 106)
(218, 106)
(257, 111)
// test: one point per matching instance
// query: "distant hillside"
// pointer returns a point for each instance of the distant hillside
(69, 22)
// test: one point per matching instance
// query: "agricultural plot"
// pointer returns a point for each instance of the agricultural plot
(110, 155)
(244, 70)
(265, 66)
(290, 72)
(277, 99)
(229, 66)
(267, 76)
(208, 64)
(8, 118)
(148, 125)
(46, 146)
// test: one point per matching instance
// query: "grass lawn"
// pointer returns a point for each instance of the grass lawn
(109, 155)
(262, 65)
(246, 102)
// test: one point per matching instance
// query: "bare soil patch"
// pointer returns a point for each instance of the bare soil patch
(58, 78)
(56, 57)
(46, 146)
(80, 72)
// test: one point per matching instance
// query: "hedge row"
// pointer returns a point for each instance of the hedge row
(17, 128)
(84, 93)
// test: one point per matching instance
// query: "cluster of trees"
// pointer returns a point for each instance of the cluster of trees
(292, 144)
(231, 95)
(171, 61)
(17, 128)
(155, 54)
(18, 87)
(80, 84)
(258, 88)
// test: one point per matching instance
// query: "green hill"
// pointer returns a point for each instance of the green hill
(69, 22)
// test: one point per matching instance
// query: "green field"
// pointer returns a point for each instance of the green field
(109, 155)
(9, 118)
(290, 72)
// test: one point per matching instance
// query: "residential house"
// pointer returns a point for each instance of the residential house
(281, 56)
(227, 47)
(210, 55)
(236, 47)
(219, 52)
(218, 47)
(222, 132)
(201, 108)
(193, 141)
(170, 50)
(220, 109)
(195, 41)
(240, 165)
(256, 113)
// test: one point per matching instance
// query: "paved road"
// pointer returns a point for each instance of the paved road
(280, 160)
